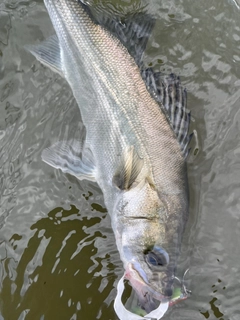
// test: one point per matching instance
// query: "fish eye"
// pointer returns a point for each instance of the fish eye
(157, 257)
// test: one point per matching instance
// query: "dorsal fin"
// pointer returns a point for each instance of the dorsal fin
(133, 30)
(172, 98)
(130, 167)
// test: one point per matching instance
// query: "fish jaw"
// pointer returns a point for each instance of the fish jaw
(147, 295)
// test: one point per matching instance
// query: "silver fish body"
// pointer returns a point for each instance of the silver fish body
(130, 149)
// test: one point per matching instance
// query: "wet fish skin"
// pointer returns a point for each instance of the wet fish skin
(138, 162)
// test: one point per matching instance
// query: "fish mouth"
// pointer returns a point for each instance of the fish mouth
(148, 297)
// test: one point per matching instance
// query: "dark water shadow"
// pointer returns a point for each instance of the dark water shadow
(60, 274)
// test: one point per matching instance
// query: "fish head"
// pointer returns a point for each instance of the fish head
(148, 243)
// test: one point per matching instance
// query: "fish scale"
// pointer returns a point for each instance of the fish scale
(131, 149)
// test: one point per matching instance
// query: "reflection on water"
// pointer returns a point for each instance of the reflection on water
(65, 264)
(58, 258)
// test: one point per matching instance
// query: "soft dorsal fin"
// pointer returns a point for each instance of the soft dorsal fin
(172, 98)
(129, 169)
(133, 30)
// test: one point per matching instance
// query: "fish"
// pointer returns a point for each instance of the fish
(135, 145)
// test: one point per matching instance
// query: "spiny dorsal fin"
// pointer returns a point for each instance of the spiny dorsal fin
(172, 98)
(130, 167)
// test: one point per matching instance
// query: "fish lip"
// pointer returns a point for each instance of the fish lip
(131, 273)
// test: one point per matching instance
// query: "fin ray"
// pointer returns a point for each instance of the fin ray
(48, 52)
(129, 169)
(133, 30)
(172, 99)
(70, 158)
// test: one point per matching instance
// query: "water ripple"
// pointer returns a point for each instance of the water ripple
(57, 250)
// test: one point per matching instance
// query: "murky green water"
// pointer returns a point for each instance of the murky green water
(57, 250)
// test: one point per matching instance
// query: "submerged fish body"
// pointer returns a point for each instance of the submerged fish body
(130, 149)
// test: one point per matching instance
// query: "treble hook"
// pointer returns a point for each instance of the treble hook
(183, 287)
(186, 291)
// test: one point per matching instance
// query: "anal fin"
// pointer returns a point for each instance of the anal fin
(48, 52)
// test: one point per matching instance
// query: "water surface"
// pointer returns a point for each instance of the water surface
(57, 250)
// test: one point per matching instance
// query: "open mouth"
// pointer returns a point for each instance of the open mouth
(146, 293)
(136, 314)
(145, 300)
(131, 309)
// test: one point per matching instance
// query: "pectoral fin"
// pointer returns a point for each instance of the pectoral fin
(71, 158)
(129, 169)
